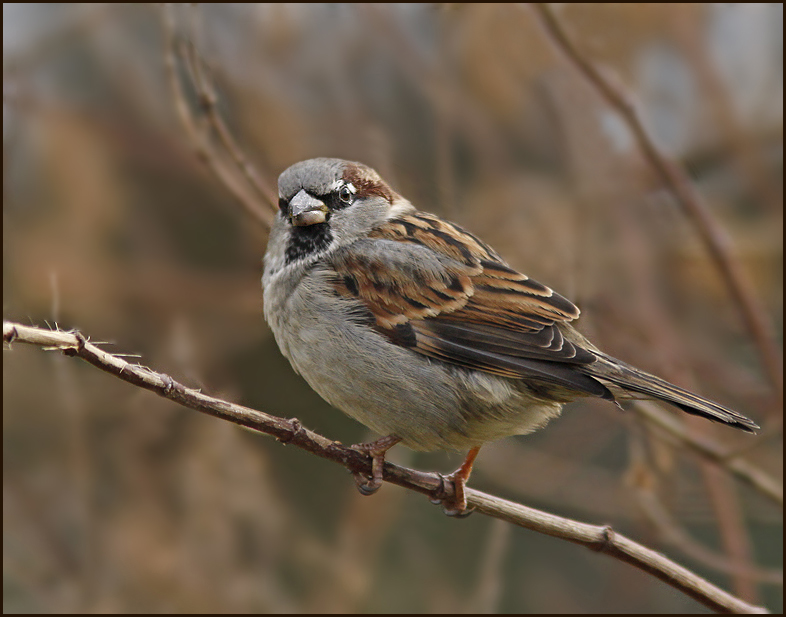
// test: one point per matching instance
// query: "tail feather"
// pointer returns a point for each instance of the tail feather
(616, 373)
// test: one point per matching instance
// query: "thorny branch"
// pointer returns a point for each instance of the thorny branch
(711, 232)
(601, 539)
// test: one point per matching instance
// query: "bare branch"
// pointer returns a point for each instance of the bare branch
(672, 533)
(601, 539)
(199, 141)
(207, 99)
(718, 243)
(745, 471)
(604, 539)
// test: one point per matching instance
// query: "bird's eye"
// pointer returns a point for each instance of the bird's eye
(283, 204)
(345, 195)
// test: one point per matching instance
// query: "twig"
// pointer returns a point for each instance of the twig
(604, 539)
(733, 534)
(642, 480)
(484, 599)
(713, 235)
(200, 142)
(745, 471)
(601, 539)
(670, 532)
(207, 100)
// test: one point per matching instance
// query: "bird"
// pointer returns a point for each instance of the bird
(419, 330)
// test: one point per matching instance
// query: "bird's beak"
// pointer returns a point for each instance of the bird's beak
(306, 210)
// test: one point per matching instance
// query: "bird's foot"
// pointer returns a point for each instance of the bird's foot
(456, 505)
(376, 450)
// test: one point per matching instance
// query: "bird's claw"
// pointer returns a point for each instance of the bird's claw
(454, 503)
(456, 513)
(366, 485)
(376, 450)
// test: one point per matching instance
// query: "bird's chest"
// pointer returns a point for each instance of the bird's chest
(310, 323)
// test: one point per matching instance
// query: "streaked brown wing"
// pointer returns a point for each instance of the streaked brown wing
(445, 294)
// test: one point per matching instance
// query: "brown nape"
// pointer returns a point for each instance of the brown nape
(367, 182)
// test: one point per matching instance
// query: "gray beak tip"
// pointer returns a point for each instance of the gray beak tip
(304, 209)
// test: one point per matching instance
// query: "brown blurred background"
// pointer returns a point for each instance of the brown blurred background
(117, 500)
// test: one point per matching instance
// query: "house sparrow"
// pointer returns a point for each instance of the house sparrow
(419, 330)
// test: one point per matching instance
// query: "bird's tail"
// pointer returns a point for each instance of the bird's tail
(614, 372)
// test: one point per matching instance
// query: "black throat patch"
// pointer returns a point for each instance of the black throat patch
(307, 240)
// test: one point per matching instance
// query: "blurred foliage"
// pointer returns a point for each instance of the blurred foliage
(116, 500)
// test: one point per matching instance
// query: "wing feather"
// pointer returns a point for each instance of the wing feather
(442, 292)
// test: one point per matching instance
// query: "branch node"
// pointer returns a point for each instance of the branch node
(81, 341)
(206, 101)
(296, 427)
(606, 540)
(10, 335)
(441, 493)
(169, 384)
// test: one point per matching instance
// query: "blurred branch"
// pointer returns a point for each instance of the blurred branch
(207, 100)
(734, 534)
(745, 471)
(600, 539)
(714, 236)
(236, 183)
(739, 142)
(484, 599)
(642, 478)
(672, 533)
(604, 539)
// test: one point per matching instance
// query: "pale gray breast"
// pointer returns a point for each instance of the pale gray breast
(388, 388)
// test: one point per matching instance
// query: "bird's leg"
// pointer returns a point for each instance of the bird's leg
(458, 505)
(376, 450)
